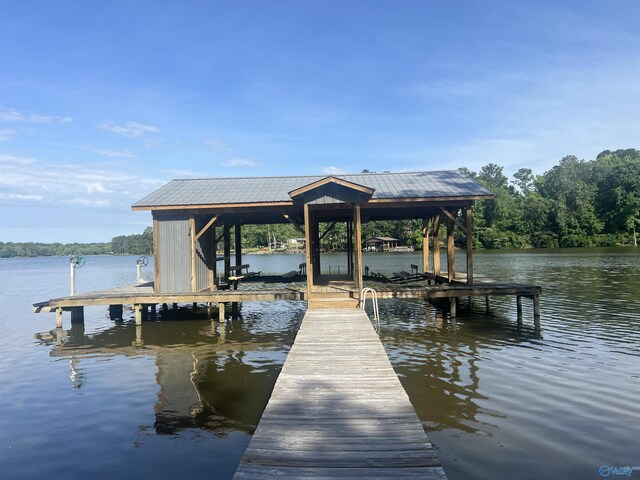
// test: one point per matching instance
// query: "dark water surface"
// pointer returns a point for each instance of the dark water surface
(180, 398)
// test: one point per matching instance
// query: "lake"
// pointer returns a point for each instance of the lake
(180, 397)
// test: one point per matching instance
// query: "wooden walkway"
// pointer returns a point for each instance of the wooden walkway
(338, 410)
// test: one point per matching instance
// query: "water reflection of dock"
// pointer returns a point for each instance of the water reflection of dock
(205, 381)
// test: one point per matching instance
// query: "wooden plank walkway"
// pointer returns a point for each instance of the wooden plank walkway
(338, 410)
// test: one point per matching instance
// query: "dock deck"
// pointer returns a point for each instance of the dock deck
(278, 288)
(338, 410)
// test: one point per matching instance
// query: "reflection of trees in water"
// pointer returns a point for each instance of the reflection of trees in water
(215, 377)
(437, 359)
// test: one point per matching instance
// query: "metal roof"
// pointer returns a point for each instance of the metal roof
(243, 190)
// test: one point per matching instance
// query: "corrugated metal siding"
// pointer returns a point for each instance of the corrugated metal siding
(174, 254)
(211, 191)
(204, 254)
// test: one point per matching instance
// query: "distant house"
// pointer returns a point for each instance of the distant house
(297, 242)
(381, 244)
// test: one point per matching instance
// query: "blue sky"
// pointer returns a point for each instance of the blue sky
(103, 101)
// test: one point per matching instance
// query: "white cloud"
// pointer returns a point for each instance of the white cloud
(183, 173)
(17, 159)
(16, 116)
(110, 152)
(217, 145)
(97, 187)
(87, 202)
(237, 162)
(7, 134)
(333, 171)
(21, 197)
(128, 129)
(114, 185)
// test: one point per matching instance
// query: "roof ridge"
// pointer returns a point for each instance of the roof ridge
(323, 175)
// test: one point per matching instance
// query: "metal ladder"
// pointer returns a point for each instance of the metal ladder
(374, 299)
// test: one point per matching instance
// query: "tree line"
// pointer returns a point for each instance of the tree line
(137, 244)
(577, 203)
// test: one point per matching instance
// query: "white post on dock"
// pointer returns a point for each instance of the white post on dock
(72, 266)
(141, 262)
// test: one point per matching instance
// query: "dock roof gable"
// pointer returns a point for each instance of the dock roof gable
(332, 189)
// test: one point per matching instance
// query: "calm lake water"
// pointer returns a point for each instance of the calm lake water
(180, 398)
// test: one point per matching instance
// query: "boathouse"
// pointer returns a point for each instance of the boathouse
(338, 409)
(192, 217)
(381, 244)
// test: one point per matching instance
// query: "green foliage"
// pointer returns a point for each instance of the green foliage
(140, 244)
(577, 203)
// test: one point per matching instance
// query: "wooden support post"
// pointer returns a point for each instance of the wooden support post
(357, 245)
(453, 304)
(487, 304)
(451, 258)
(308, 250)
(238, 242)
(425, 244)
(194, 250)
(214, 263)
(209, 311)
(317, 271)
(195, 306)
(154, 312)
(468, 214)
(221, 312)
(115, 312)
(175, 306)
(58, 317)
(137, 308)
(436, 245)
(519, 306)
(350, 248)
(77, 314)
(227, 249)
(536, 307)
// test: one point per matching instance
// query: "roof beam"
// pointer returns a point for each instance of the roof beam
(293, 222)
(454, 219)
(207, 226)
(329, 228)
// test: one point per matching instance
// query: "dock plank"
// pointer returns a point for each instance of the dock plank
(338, 410)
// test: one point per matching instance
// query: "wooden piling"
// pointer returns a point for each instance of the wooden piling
(137, 308)
(77, 315)
(115, 312)
(221, 312)
(58, 317)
